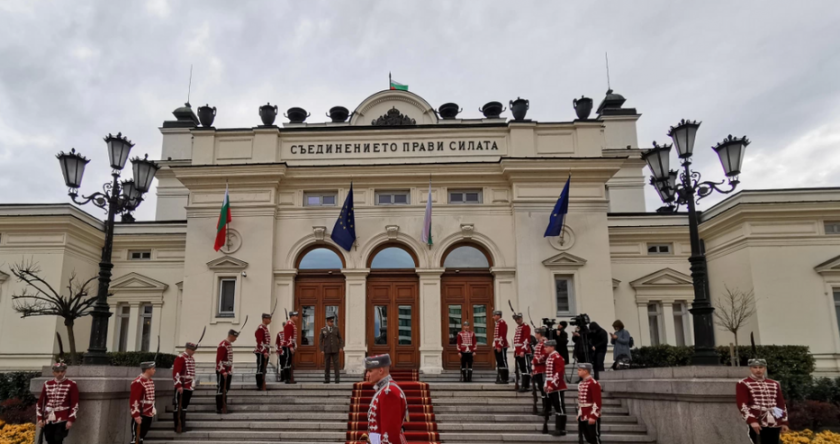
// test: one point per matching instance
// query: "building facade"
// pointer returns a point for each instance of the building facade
(493, 184)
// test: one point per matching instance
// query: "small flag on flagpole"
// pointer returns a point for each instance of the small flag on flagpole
(344, 231)
(426, 237)
(222, 225)
(396, 85)
(558, 214)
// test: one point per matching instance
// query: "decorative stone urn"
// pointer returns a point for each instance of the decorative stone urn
(583, 106)
(297, 115)
(206, 115)
(492, 110)
(268, 113)
(519, 108)
(448, 111)
(338, 114)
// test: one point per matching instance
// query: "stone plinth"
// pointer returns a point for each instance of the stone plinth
(682, 405)
(103, 405)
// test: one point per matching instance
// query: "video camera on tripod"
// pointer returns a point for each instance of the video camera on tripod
(551, 333)
(581, 321)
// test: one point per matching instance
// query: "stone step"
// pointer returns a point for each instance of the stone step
(445, 418)
(315, 434)
(232, 408)
(527, 438)
(295, 415)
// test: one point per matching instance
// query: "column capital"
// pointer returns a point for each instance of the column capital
(500, 272)
(429, 273)
(355, 273)
(285, 274)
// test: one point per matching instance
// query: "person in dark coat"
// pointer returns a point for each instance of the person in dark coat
(598, 340)
(579, 351)
(331, 344)
(563, 341)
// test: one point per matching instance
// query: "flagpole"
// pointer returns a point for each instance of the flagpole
(227, 229)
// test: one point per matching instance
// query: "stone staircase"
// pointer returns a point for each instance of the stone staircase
(312, 412)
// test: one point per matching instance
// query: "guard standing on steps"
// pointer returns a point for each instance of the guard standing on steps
(762, 405)
(555, 386)
(331, 344)
(589, 406)
(466, 348)
(183, 373)
(388, 406)
(289, 345)
(224, 370)
(279, 343)
(538, 366)
(142, 402)
(58, 405)
(522, 351)
(263, 349)
(500, 346)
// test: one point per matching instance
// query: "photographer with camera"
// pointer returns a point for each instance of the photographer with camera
(562, 339)
(580, 337)
(598, 340)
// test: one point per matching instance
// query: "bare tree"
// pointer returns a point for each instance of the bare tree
(39, 298)
(733, 310)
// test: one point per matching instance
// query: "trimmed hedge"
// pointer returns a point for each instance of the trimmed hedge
(15, 385)
(132, 359)
(789, 359)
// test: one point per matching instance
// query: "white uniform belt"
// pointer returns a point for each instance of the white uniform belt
(226, 363)
(57, 409)
(585, 405)
(147, 402)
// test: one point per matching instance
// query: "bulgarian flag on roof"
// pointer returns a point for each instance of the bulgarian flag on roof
(396, 85)
(224, 221)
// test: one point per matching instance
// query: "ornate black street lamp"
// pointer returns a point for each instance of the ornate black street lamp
(685, 187)
(117, 198)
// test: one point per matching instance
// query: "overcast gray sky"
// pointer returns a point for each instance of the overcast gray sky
(70, 72)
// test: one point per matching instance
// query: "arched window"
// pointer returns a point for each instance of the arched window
(466, 256)
(320, 259)
(392, 258)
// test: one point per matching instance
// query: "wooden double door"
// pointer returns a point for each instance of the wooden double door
(315, 298)
(467, 297)
(392, 319)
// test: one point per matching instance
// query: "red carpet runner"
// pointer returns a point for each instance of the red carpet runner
(421, 427)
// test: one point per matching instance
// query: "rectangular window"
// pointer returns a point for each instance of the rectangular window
(146, 327)
(468, 197)
(832, 228)
(140, 255)
(307, 325)
(563, 294)
(319, 199)
(380, 325)
(837, 304)
(659, 249)
(392, 198)
(405, 325)
(227, 296)
(455, 320)
(480, 324)
(123, 316)
(654, 320)
(681, 322)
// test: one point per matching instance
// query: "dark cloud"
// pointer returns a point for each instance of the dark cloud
(72, 72)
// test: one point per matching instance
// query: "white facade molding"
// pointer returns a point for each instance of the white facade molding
(666, 286)
(564, 261)
(227, 263)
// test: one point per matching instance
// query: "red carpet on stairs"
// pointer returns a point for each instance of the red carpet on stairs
(421, 427)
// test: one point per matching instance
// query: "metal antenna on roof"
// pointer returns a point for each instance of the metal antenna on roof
(189, 88)
(607, 58)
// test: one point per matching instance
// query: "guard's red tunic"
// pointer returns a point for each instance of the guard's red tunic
(522, 339)
(59, 401)
(279, 341)
(540, 356)
(388, 409)
(263, 337)
(224, 358)
(500, 335)
(589, 399)
(183, 371)
(142, 398)
(290, 335)
(466, 342)
(761, 401)
(555, 373)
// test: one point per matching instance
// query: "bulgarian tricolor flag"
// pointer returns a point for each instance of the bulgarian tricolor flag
(395, 85)
(426, 236)
(222, 225)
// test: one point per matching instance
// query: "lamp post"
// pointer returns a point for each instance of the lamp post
(685, 187)
(117, 198)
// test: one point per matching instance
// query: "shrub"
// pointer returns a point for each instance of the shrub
(16, 385)
(133, 359)
(792, 359)
(661, 356)
(813, 415)
(15, 411)
(825, 390)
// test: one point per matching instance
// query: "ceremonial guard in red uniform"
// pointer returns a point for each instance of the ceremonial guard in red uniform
(58, 405)
(289, 346)
(522, 351)
(500, 346)
(538, 367)
(388, 407)
(589, 406)
(466, 348)
(762, 405)
(263, 349)
(279, 342)
(183, 373)
(142, 402)
(555, 386)
(224, 370)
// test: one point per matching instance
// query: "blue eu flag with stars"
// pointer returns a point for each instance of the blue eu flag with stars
(558, 215)
(344, 231)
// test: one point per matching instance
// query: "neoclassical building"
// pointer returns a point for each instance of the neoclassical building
(493, 181)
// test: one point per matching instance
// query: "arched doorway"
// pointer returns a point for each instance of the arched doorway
(319, 291)
(467, 295)
(392, 305)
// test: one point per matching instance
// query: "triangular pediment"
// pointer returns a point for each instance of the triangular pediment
(564, 260)
(831, 266)
(136, 282)
(227, 263)
(663, 278)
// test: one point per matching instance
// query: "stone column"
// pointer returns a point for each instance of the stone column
(133, 327)
(156, 314)
(113, 320)
(284, 292)
(644, 327)
(431, 348)
(355, 295)
(670, 332)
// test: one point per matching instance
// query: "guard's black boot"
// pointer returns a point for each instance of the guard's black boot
(524, 387)
(219, 404)
(291, 379)
(259, 382)
(463, 375)
(505, 376)
(175, 416)
(559, 425)
(498, 376)
(469, 375)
